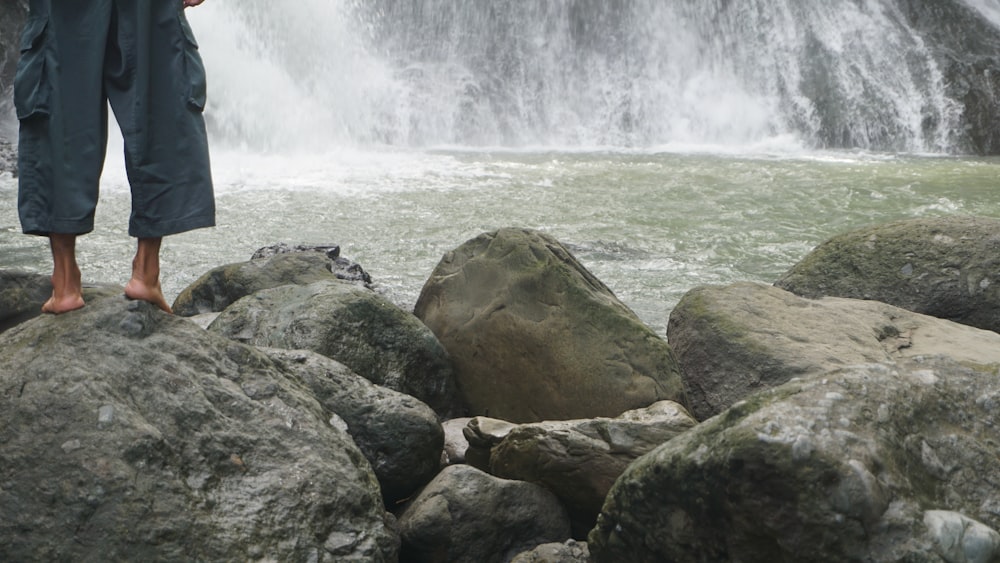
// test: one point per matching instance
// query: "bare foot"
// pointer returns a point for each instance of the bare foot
(137, 289)
(63, 304)
(67, 289)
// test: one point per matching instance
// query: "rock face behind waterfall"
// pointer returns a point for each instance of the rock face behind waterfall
(12, 15)
(868, 463)
(130, 435)
(947, 267)
(967, 48)
(534, 336)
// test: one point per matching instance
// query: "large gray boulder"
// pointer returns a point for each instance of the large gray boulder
(467, 516)
(534, 336)
(127, 434)
(876, 462)
(734, 340)
(352, 325)
(579, 460)
(946, 267)
(22, 295)
(399, 435)
(220, 287)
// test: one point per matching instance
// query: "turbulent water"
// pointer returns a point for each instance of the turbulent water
(581, 73)
(651, 226)
(668, 144)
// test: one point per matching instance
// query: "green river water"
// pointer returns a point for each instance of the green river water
(650, 225)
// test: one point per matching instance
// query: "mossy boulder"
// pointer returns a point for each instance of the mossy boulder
(741, 338)
(874, 462)
(271, 266)
(947, 267)
(355, 326)
(534, 336)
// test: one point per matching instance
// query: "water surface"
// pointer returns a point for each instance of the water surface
(651, 225)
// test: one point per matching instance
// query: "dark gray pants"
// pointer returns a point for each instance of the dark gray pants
(76, 56)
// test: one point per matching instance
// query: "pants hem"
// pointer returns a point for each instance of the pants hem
(166, 228)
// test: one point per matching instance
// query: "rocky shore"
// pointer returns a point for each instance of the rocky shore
(850, 412)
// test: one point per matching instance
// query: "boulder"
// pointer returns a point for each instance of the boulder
(127, 434)
(455, 442)
(220, 287)
(857, 464)
(399, 435)
(534, 336)
(467, 516)
(341, 267)
(482, 434)
(734, 340)
(579, 460)
(571, 551)
(352, 325)
(947, 267)
(22, 295)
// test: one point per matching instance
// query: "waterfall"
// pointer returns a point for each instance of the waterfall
(575, 73)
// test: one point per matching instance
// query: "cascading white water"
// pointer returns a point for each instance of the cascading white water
(572, 73)
(990, 9)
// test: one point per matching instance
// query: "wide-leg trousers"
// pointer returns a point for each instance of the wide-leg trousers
(141, 56)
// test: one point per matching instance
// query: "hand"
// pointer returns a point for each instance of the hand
(192, 3)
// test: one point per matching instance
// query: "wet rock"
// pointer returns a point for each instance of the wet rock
(958, 539)
(579, 460)
(399, 435)
(455, 442)
(841, 466)
(466, 515)
(129, 434)
(527, 327)
(341, 267)
(947, 267)
(22, 295)
(352, 325)
(223, 286)
(735, 340)
(570, 552)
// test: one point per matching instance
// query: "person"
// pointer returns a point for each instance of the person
(77, 56)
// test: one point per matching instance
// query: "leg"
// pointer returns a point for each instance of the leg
(67, 289)
(145, 282)
(155, 81)
(59, 95)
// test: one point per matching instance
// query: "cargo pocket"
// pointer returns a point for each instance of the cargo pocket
(194, 69)
(32, 88)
